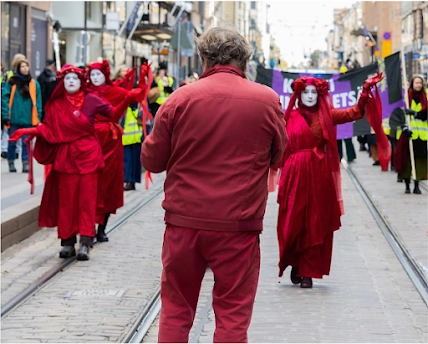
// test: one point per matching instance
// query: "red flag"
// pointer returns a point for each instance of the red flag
(148, 178)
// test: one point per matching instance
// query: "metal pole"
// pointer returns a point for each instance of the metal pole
(178, 52)
(406, 99)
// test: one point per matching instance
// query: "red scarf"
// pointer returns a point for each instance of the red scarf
(422, 98)
(76, 99)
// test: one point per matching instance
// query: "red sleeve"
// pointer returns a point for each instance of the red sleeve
(156, 149)
(101, 106)
(280, 137)
(352, 114)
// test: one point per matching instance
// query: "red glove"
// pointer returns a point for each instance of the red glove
(129, 73)
(143, 73)
(21, 132)
(371, 82)
(136, 95)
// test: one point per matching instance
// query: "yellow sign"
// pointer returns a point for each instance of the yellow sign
(377, 53)
(386, 48)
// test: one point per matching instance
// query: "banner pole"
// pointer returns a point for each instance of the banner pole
(406, 99)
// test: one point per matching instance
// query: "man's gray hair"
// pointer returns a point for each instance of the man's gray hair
(223, 46)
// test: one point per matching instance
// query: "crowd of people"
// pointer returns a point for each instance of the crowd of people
(90, 162)
(217, 145)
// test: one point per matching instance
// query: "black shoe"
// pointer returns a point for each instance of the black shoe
(399, 180)
(83, 252)
(306, 282)
(101, 235)
(25, 166)
(294, 276)
(4, 155)
(67, 252)
(376, 163)
(12, 167)
(129, 186)
(16, 155)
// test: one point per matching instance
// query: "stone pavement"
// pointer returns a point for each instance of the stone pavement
(15, 187)
(368, 296)
(24, 263)
(98, 300)
(406, 212)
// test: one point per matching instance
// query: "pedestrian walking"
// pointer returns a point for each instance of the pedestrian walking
(109, 134)
(48, 82)
(21, 108)
(309, 195)
(418, 95)
(161, 88)
(216, 138)
(67, 140)
(131, 139)
(5, 132)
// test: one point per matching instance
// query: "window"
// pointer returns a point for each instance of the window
(253, 5)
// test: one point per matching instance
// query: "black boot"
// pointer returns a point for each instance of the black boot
(25, 166)
(129, 186)
(12, 167)
(294, 276)
(416, 190)
(101, 235)
(407, 181)
(306, 282)
(67, 252)
(83, 252)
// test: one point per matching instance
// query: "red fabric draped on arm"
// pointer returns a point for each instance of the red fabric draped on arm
(374, 116)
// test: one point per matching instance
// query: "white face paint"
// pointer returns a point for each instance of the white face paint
(309, 96)
(72, 83)
(97, 78)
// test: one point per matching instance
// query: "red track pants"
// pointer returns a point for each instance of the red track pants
(77, 204)
(234, 258)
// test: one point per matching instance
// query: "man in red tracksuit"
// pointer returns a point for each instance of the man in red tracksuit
(216, 138)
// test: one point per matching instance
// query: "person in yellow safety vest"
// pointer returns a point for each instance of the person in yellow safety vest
(418, 95)
(165, 85)
(131, 139)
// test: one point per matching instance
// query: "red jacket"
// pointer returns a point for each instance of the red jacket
(216, 138)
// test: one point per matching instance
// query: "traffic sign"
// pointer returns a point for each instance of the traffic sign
(387, 36)
(416, 55)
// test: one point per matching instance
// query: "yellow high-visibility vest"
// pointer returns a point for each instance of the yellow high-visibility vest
(419, 128)
(163, 96)
(132, 131)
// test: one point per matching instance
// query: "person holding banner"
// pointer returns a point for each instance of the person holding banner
(109, 133)
(418, 133)
(309, 195)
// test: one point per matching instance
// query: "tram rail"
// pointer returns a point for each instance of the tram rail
(409, 263)
(33, 288)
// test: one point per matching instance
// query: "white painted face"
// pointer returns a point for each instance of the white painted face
(72, 83)
(309, 96)
(97, 78)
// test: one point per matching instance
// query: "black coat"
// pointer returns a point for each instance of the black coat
(48, 82)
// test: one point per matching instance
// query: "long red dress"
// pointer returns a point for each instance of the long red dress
(109, 134)
(68, 142)
(309, 210)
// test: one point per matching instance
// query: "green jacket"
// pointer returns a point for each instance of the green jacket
(21, 108)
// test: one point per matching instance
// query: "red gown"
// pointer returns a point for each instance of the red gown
(309, 210)
(109, 133)
(68, 142)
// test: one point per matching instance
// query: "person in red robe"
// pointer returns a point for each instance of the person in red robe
(109, 133)
(309, 195)
(67, 140)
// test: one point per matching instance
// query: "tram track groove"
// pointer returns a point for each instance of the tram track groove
(409, 263)
(34, 287)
